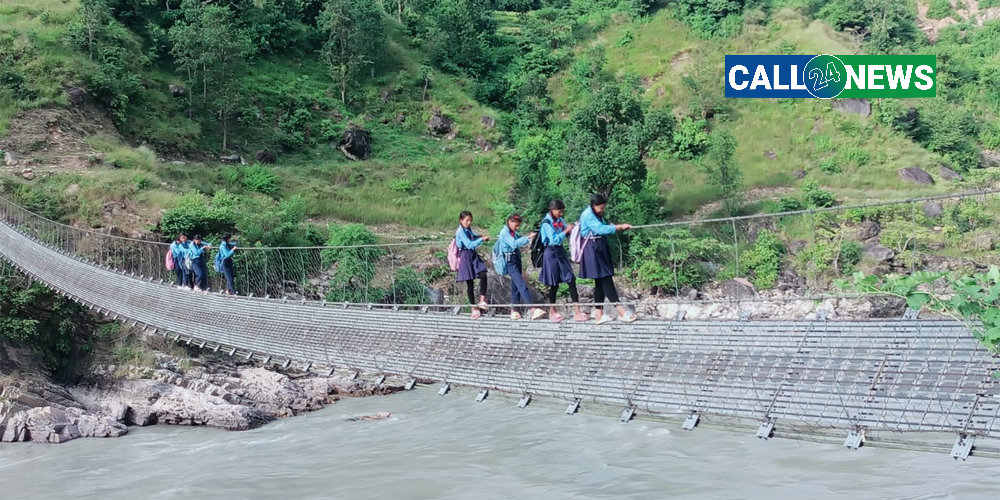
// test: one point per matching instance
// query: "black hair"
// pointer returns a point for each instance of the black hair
(197, 236)
(181, 234)
(556, 204)
(464, 214)
(598, 199)
(514, 218)
(226, 237)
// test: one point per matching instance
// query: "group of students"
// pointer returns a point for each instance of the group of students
(190, 262)
(595, 261)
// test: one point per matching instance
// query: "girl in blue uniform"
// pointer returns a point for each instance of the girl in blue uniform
(226, 250)
(510, 244)
(555, 265)
(595, 261)
(196, 252)
(471, 265)
(178, 251)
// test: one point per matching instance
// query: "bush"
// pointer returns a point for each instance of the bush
(789, 205)
(354, 268)
(655, 259)
(830, 166)
(260, 179)
(402, 186)
(690, 139)
(763, 262)
(939, 9)
(970, 214)
(407, 287)
(815, 197)
(850, 255)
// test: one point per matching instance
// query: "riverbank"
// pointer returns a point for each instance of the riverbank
(212, 391)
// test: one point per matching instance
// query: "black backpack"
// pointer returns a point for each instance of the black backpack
(537, 249)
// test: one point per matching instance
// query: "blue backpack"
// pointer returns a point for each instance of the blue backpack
(218, 262)
(499, 260)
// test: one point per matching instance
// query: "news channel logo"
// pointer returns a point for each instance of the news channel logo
(827, 76)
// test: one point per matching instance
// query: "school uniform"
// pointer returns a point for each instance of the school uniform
(595, 260)
(199, 267)
(178, 251)
(226, 251)
(556, 267)
(471, 265)
(510, 243)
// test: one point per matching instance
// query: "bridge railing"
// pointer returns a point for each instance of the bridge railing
(952, 231)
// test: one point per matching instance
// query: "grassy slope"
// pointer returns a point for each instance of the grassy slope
(451, 175)
(800, 132)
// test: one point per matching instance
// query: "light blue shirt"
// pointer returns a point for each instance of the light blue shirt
(195, 251)
(550, 236)
(466, 239)
(226, 250)
(179, 250)
(592, 225)
(510, 244)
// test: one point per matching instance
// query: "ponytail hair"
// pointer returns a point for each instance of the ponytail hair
(464, 214)
(556, 204)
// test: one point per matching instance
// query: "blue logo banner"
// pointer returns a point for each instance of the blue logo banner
(767, 76)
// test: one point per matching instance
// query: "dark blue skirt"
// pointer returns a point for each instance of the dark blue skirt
(596, 259)
(470, 265)
(555, 266)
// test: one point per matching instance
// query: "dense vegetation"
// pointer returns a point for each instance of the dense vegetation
(548, 98)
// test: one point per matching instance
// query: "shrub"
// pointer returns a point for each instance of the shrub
(970, 214)
(830, 166)
(354, 268)
(939, 9)
(789, 204)
(816, 197)
(858, 156)
(762, 263)
(407, 287)
(260, 179)
(402, 186)
(654, 259)
(850, 255)
(690, 139)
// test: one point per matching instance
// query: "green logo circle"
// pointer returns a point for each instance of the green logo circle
(825, 76)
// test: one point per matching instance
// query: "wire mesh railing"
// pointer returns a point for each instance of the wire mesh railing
(670, 259)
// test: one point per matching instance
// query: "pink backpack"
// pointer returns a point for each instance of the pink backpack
(453, 258)
(576, 244)
(169, 261)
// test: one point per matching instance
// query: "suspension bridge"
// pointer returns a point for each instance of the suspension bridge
(903, 382)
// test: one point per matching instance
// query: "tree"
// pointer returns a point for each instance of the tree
(608, 139)
(355, 37)
(722, 170)
(94, 14)
(209, 40)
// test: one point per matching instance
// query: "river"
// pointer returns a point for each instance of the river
(454, 448)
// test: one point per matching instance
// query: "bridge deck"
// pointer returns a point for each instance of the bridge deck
(890, 375)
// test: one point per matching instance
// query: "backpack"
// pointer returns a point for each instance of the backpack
(499, 260)
(218, 262)
(453, 258)
(169, 261)
(188, 263)
(537, 249)
(576, 244)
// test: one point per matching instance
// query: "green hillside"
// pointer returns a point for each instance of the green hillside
(517, 77)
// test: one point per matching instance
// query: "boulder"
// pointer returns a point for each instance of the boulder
(932, 209)
(867, 230)
(949, 174)
(10, 159)
(991, 157)
(440, 124)
(770, 155)
(483, 144)
(382, 415)
(265, 156)
(28, 174)
(434, 296)
(232, 159)
(875, 251)
(488, 121)
(856, 106)
(54, 425)
(177, 90)
(915, 175)
(799, 174)
(356, 144)
(77, 96)
(738, 288)
(660, 91)
(797, 246)
(754, 229)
